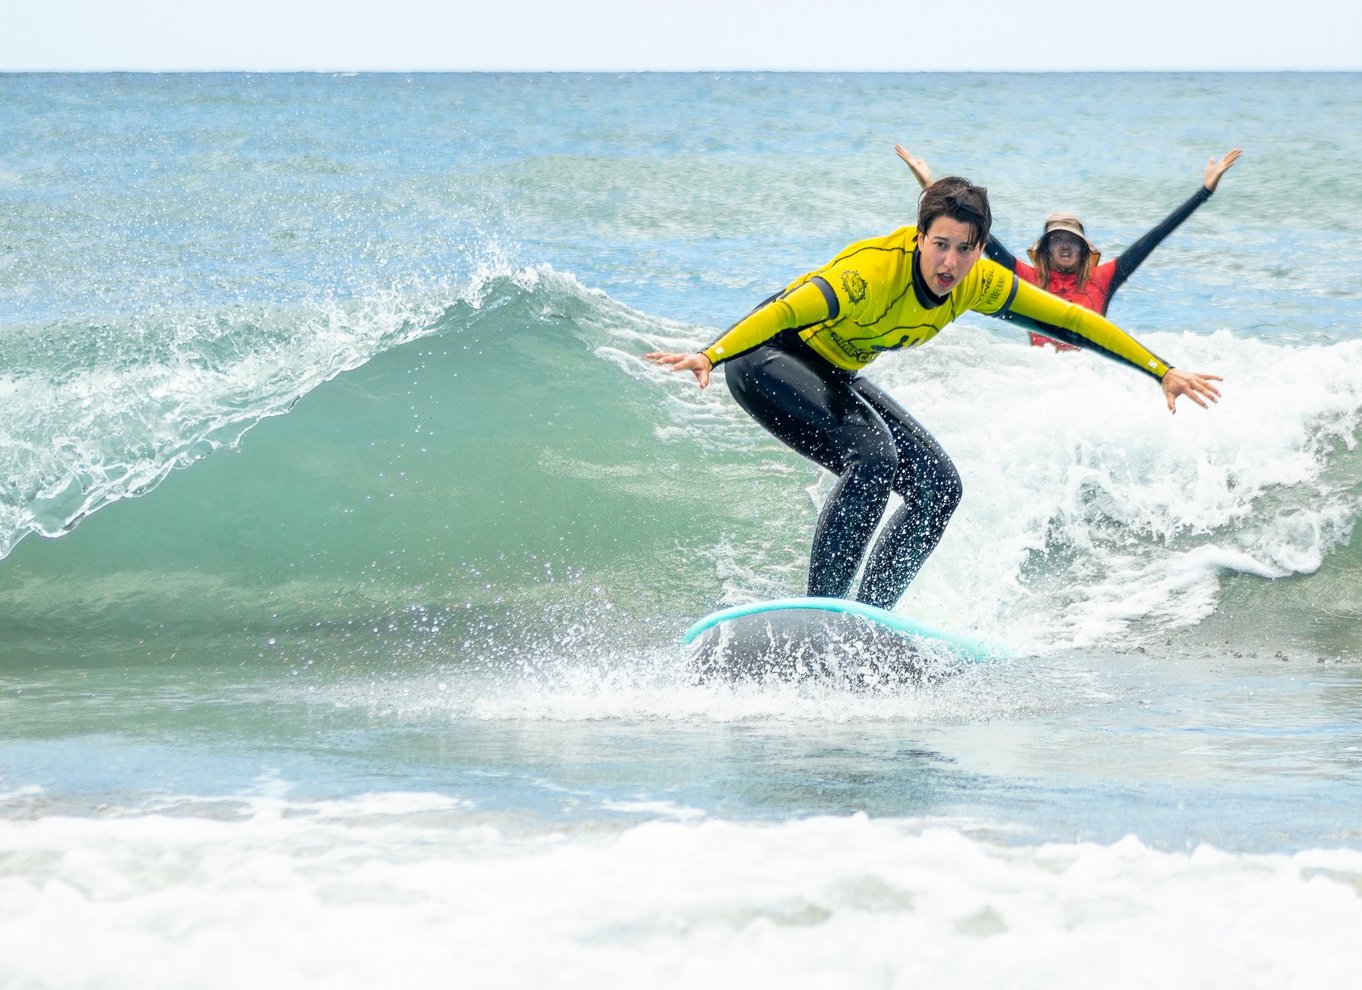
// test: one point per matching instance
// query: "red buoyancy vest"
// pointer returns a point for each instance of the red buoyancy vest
(1094, 296)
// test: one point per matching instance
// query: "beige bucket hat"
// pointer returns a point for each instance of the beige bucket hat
(1067, 222)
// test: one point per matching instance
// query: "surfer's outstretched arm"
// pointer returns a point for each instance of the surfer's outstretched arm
(1093, 331)
(804, 305)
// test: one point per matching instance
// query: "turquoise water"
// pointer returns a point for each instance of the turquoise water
(347, 540)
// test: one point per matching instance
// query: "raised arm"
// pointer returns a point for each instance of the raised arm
(994, 249)
(923, 173)
(916, 165)
(1215, 169)
(1132, 257)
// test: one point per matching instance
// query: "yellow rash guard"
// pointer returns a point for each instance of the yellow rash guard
(867, 301)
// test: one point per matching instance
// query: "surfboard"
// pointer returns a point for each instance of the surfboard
(835, 639)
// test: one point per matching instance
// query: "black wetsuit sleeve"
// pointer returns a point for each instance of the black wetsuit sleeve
(994, 249)
(1131, 258)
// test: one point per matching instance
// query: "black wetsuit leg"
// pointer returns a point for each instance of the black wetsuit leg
(930, 487)
(855, 430)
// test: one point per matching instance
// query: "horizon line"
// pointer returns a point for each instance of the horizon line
(329, 70)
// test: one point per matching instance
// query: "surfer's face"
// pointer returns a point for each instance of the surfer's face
(1066, 252)
(946, 253)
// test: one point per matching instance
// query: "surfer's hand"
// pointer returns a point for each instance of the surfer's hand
(916, 165)
(1194, 385)
(696, 363)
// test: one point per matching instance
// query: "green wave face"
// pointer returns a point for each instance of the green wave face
(500, 467)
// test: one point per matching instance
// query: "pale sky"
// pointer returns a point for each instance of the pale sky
(629, 35)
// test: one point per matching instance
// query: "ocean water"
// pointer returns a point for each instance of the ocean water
(346, 542)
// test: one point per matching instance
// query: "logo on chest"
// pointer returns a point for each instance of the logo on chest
(853, 285)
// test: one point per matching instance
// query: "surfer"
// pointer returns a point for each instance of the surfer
(793, 364)
(1068, 264)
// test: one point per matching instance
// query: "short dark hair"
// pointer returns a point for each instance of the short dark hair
(958, 199)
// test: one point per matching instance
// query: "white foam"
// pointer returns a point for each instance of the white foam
(1070, 455)
(413, 891)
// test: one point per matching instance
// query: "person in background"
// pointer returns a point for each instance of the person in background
(1067, 264)
(794, 365)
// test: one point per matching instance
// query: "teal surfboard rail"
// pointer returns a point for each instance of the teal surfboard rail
(973, 649)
